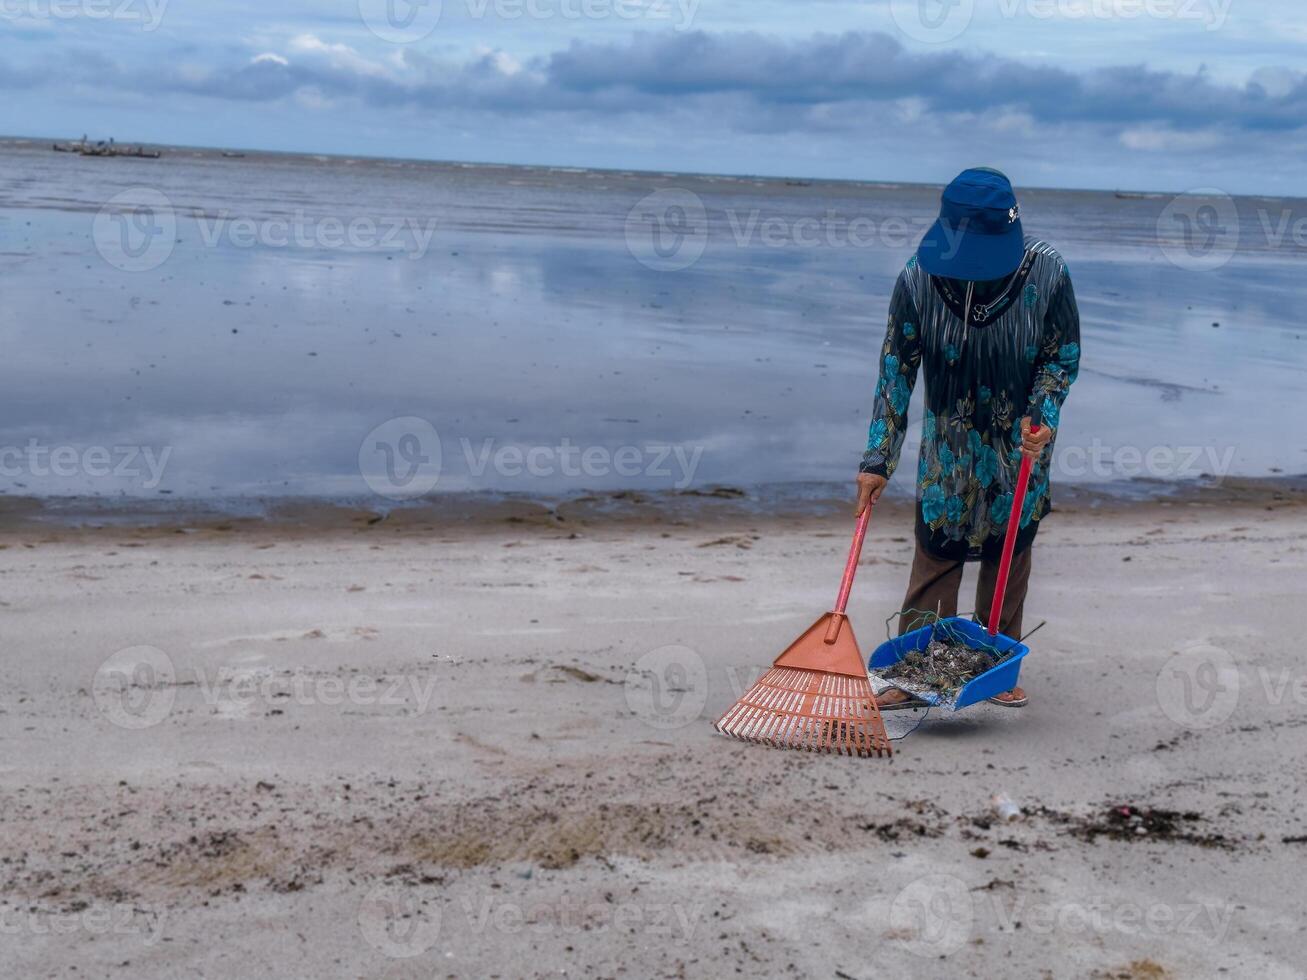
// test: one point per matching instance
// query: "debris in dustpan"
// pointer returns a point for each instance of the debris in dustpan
(961, 663)
(939, 672)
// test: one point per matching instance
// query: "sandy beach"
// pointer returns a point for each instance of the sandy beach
(416, 747)
(423, 422)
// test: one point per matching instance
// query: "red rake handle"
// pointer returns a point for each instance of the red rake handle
(850, 570)
(1010, 540)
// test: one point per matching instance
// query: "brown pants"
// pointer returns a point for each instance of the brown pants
(934, 583)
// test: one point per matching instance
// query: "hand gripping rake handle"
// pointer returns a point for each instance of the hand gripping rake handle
(846, 583)
(1010, 540)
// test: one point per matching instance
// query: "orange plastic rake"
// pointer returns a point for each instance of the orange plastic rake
(816, 695)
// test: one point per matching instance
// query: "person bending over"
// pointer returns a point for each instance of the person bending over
(990, 317)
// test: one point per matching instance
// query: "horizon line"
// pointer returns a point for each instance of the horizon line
(632, 170)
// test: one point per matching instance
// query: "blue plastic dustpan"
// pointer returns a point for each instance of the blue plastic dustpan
(994, 681)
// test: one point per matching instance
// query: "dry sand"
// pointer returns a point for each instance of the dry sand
(419, 748)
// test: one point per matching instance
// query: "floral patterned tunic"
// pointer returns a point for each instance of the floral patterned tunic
(993, 353)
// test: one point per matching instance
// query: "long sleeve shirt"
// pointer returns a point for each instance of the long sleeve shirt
(992, 353)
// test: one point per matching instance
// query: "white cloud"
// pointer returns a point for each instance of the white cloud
(340, 56)
(505, 63)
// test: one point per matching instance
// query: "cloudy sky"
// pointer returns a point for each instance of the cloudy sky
(1158, 94)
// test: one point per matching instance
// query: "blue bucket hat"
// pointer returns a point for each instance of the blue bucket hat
(978, 234)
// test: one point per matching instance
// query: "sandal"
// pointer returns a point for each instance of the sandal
(907, 701)
(1006, 700)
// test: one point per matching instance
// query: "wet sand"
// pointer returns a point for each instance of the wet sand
(526, 312)
(409, 746)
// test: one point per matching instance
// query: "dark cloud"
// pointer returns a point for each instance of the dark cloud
(259, 81)
(859, 67)
(760, 77)
(421, 82)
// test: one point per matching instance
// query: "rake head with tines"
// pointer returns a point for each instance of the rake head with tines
(816, 695)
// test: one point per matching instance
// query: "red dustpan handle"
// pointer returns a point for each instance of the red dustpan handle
(850, 569)
(1010, 540)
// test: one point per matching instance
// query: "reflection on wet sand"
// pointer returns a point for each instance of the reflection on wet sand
(301, 304)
